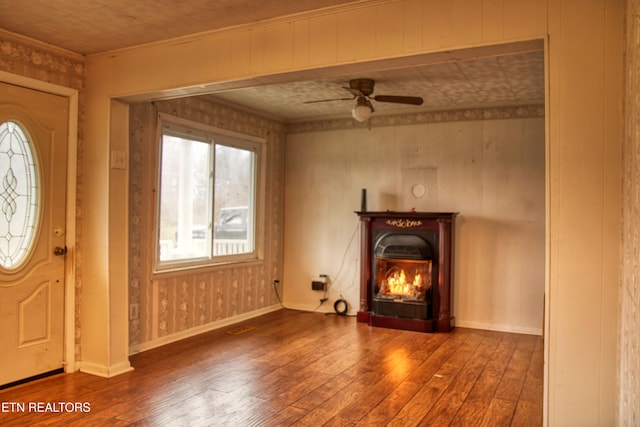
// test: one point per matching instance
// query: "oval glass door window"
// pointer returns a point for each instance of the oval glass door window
(19, 196)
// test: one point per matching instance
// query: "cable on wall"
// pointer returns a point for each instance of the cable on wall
(344, 257)
(341, 306)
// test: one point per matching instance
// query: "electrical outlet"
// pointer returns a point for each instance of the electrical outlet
(118, 159)
(133, 311)
(317, 285)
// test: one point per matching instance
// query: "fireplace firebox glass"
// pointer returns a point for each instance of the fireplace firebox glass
(402, 280)
(403, 275)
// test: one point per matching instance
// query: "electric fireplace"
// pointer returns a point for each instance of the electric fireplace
(407, 270)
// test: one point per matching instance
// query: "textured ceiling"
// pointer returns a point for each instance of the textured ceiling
(506, 80)
(92, 26)
(486, 77)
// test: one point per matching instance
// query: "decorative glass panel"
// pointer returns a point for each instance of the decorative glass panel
(19, 195)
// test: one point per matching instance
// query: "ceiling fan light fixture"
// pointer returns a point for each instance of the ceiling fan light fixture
(362, 110)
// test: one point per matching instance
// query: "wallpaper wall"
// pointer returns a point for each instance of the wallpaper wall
(172, 304)
(629, 357)
(18, 56)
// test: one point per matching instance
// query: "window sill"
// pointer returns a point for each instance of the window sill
(204, 269)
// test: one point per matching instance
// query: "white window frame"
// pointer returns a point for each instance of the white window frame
(178, 126)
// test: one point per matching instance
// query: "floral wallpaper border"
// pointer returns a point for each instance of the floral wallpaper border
(466, 114)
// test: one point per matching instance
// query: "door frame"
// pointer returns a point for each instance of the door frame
(69, 357)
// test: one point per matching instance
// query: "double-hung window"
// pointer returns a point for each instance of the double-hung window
(206, 204)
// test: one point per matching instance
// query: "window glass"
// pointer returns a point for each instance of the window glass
(185, 198)
(206, 203)
(233, 205)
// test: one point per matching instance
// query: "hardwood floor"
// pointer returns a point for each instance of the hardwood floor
(304, 369)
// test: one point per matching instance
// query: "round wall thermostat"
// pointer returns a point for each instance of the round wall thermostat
(418, 190)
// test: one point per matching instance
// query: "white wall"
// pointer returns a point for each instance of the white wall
(492, 172)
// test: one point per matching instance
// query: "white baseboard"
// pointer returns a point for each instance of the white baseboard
(328, 308)
(499, 328)
(325, 308)
(104, 370)
(158, 342)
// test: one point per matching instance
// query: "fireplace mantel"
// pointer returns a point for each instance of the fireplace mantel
(440, 225)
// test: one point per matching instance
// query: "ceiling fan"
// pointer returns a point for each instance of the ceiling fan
(362, 90)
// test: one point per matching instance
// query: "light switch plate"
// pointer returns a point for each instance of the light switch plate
(118, 159)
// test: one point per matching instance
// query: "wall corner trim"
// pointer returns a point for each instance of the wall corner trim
(104, 370)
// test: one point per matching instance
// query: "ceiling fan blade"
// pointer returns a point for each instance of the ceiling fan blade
(411, 100)
(327, 100)
(355, 92)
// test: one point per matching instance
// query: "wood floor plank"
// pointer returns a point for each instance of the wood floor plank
(454, 353)
(527, 414)
(439, 356)
(447, 407)
(533, 384)
(399, 369)
(472, 411)
(288, 416)
(514, 376)
(321, 394)
(499, 413)
(358, 390)
(386, 410)
(306, 369)
(417, 408)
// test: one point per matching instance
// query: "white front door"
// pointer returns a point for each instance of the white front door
(33, 165)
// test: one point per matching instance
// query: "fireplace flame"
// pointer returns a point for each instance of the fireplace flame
(397, 284)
